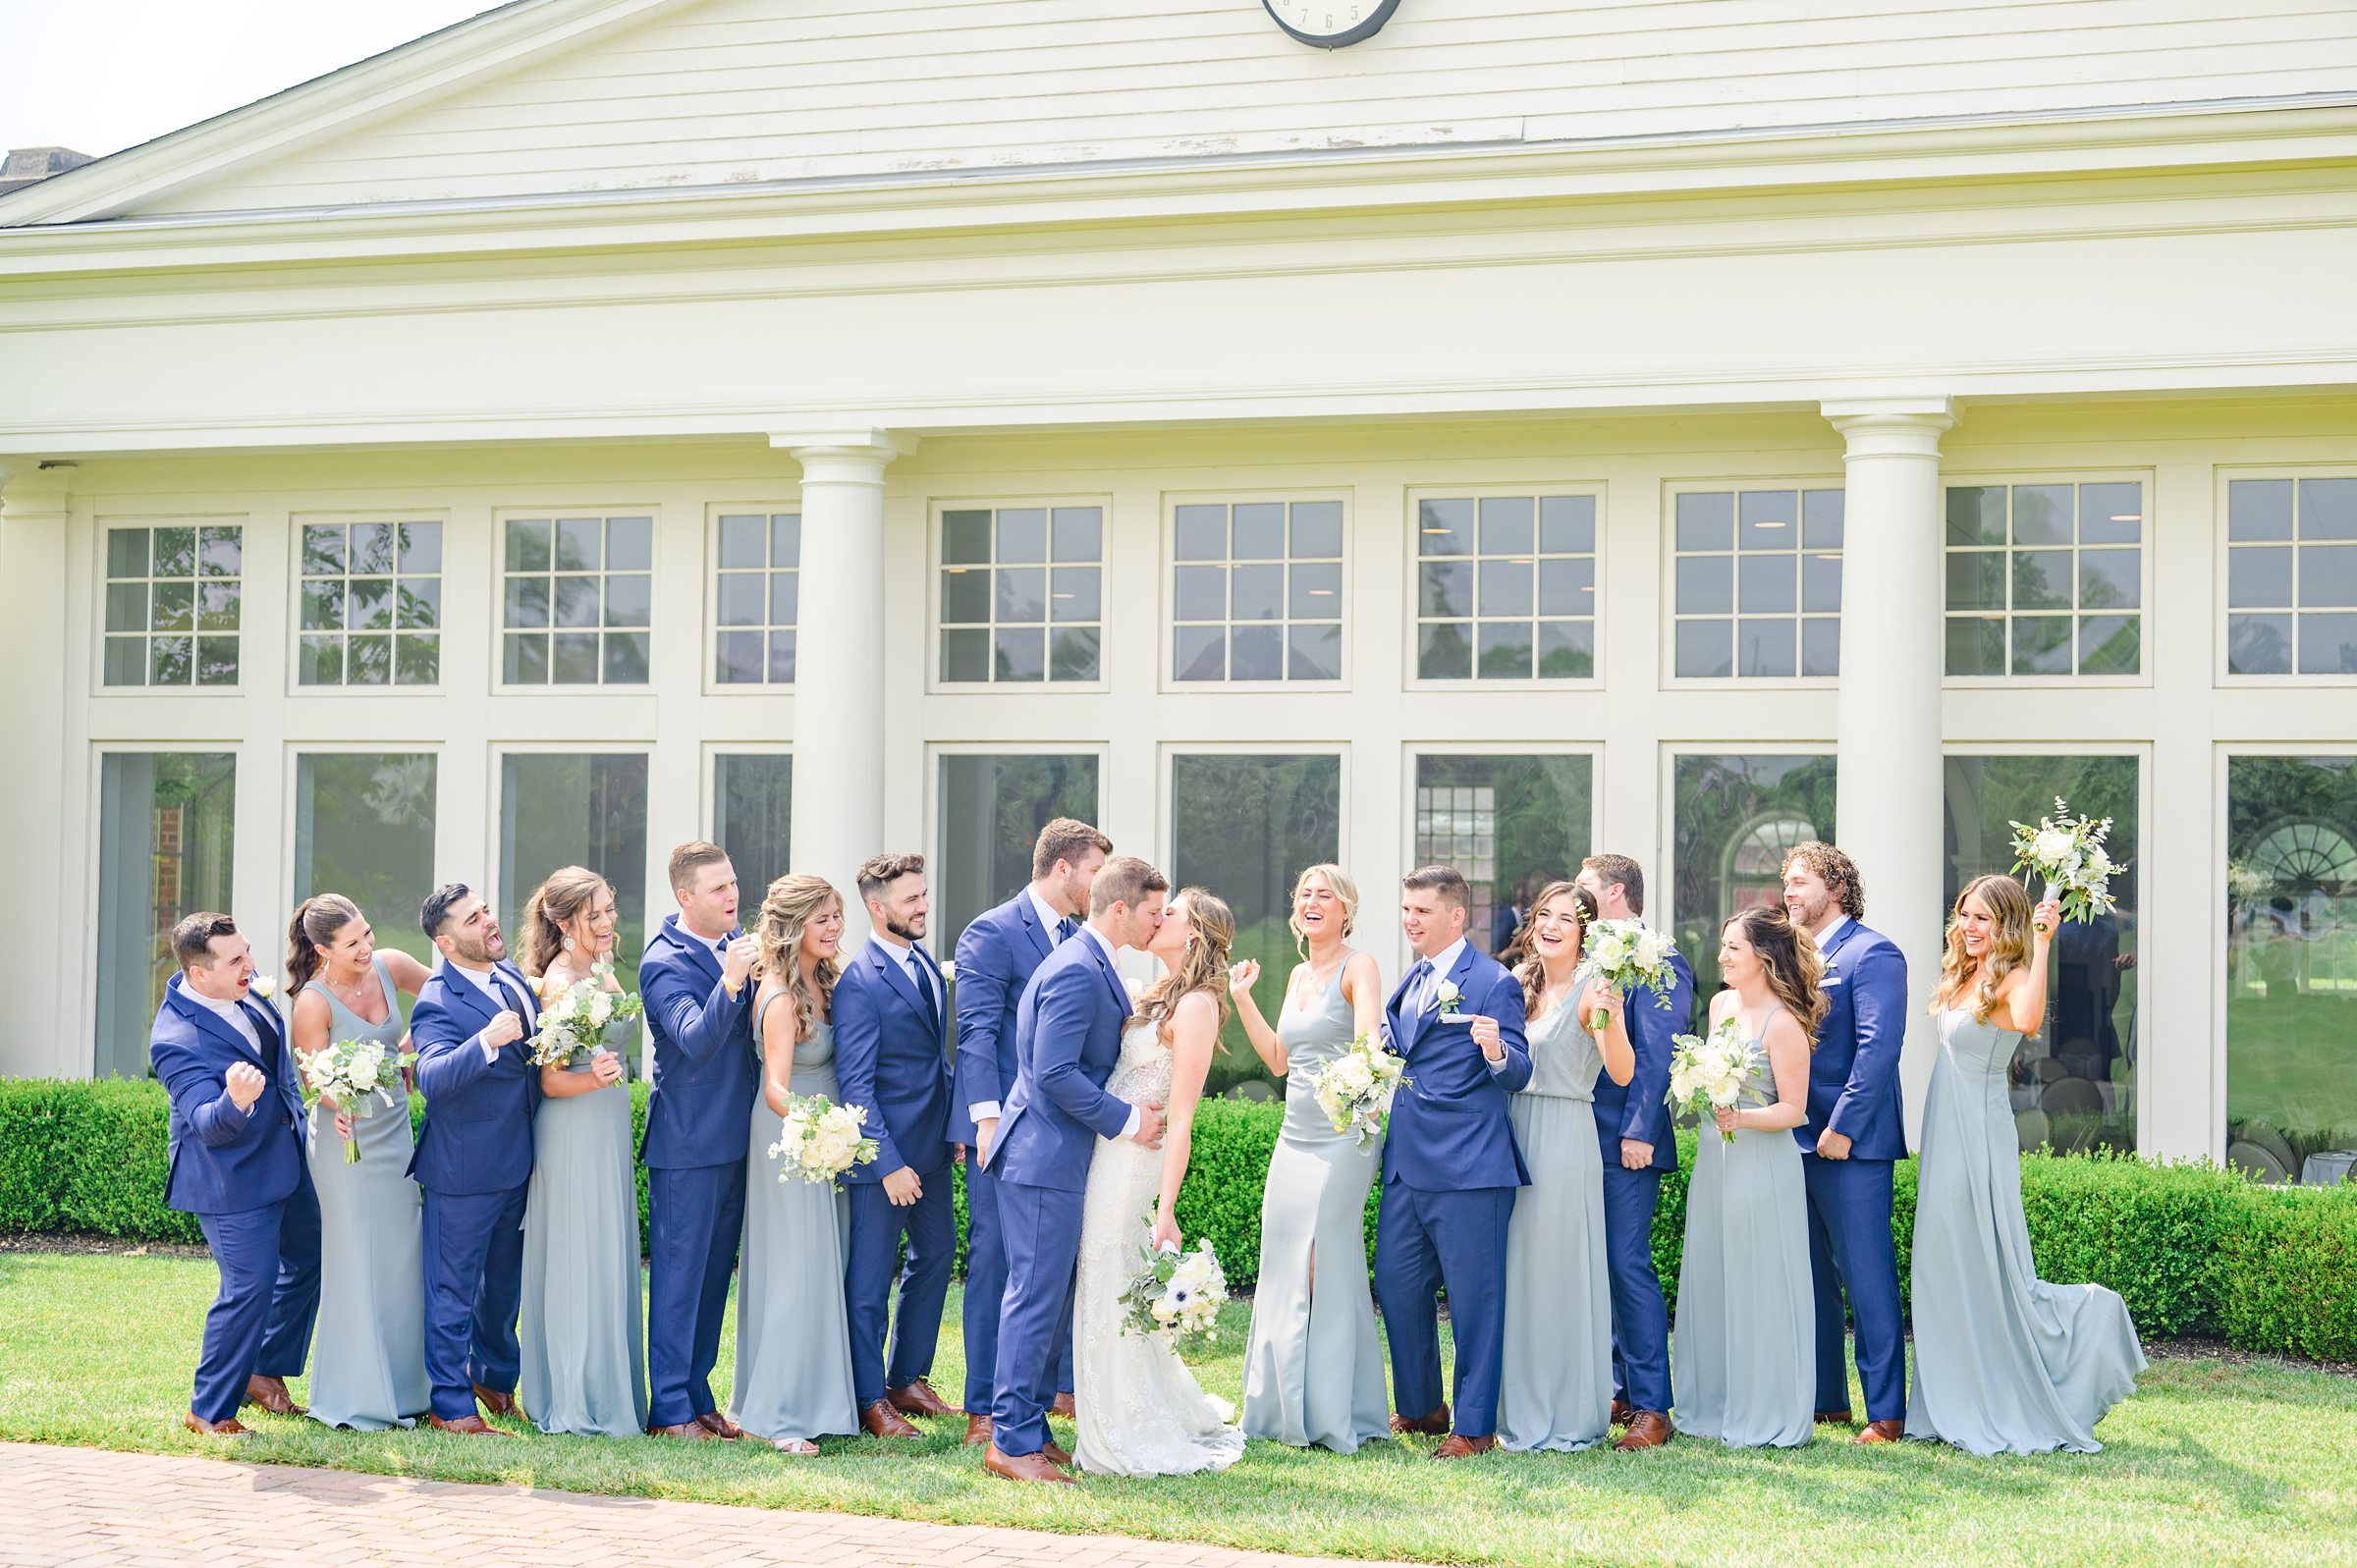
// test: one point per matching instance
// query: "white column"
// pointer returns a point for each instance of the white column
(33, 643)
(1887, 712)
(838, 690)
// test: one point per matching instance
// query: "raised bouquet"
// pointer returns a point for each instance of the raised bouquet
(1355, 1088)
(820, 1140)
(1174, 1296)
(1707, 1074)
(2068, 852)
(1626, 955)
(576, 1018)
(357, 1074)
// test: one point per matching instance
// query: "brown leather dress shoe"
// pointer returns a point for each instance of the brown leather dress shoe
(1834, 1418)
(271, 1395)
(1022, 1467)
(977, 1429)
(497, 1403)
(688, 1431)
(232, 1427)
(1456, 1445)
(467, 1426)
(917, 1398)
(1055, 1454)
(1647, 1429)
(1062, 1405)
(720, 1426)
(1435, 1425)
(1881, 1432)
(1621, 1411)
(881, 1421)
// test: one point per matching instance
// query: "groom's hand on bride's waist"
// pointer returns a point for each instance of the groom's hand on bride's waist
(1148, 1131)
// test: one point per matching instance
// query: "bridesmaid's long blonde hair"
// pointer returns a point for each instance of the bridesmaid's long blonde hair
(2009, 912)
(1202, 967)
(787, 910)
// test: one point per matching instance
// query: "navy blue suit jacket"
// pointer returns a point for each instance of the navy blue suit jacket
(1450, 1131)
(699, 1099)
(997, 956)
(1853, 1073)
(223, 1159)
(477, 1136)
(891, 1059)
(1068, 1036)
(1640, 1109)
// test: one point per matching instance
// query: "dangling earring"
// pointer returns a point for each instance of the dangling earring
(569, 945)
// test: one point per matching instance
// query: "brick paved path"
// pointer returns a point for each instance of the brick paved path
(85, 1506)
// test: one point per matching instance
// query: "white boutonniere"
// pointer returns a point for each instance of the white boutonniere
(1447, 998)
(262, 985)
(948, 969)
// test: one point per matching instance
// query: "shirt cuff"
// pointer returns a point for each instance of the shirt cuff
(983, 1110)
(1129, 1127)
(1500, 1065)
(490, 1052)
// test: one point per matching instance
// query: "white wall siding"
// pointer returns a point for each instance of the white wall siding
(744, 90)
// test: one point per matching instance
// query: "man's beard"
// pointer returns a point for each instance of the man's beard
(1810, 915)
(906, 929)
(479, 951)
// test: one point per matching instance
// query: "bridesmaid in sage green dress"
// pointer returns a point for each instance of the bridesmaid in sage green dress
(1555, 1393)
(368, 1360)
(794, 1340)
(1313, 1367)
(2005, 1362)
(583, 1367)
(1747, 1347)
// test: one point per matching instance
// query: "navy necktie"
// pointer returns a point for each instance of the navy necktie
(920, 972)
(1065, 928)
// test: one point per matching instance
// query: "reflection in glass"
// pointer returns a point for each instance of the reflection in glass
(994, 622)
(1732, 818)
(1246, 827)
(2073, 1084)
(166, 842)
(992, 808)
(1774, 558)
(1510, 561)
(1256, 591)
(753, 819)
(576, 809)
(1511, 823)
(2292, 962)
(364, 828)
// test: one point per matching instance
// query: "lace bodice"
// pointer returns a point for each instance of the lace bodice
(1142, 1071)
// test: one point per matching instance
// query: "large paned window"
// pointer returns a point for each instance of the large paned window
(1023, 594)
(1731, 819)
(371, 607)
(1510, 822)
(577, 600)
(2291, 964)
(1256, 591)
(364, 828)
(757, 559)
(991, 810)
(576, 808)
(173, 593)
(753, 819)
(2073, 1083)
(2292, 576)
(1506, 587)
(166, 841)
(1246, 827)
(1757, 585)
(2045, 580)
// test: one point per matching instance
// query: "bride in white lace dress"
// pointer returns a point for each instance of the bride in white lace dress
(1141, 1412)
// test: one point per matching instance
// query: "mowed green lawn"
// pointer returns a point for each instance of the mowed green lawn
(2211, 1463)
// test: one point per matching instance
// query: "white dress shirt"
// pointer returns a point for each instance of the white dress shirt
(1048, 922)
(497, 986)
(1834, 932)
(1441, 962)
(904, 954)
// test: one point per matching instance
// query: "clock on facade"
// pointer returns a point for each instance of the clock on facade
(1330, 24)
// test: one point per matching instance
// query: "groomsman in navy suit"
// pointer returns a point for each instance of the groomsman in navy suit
(1855, 1134)
(474, 1159)
(997, 955)
(1068, 1038)
(1632, 1126)
(699, 1110)
(1450, 1166)
(891, 1055)
(237, 1164)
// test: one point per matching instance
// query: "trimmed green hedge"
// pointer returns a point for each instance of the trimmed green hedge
(2193, 1248)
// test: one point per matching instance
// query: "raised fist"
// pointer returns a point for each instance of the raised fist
(740, 961)
(502, 1030)
(246, 1084)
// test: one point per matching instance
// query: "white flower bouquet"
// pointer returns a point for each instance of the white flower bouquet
(1625, 954)
(1174, 1296)
(820, 1140)
(357, 1074)
(577, 1018)
(2068, 852)
(1355, 1089)
(1709, 1074)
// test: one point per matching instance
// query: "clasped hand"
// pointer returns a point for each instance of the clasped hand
(1149, 1125)
(606, 1069)
(1484, 1031)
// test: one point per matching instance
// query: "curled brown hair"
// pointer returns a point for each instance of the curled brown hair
(1790, 962)
(1521, 954)
(787, 910)
(1202, 967)
(568, 894)
(2009, 912)
(316, 921)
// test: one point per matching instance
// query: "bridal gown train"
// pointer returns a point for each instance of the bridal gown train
(1141, 1411)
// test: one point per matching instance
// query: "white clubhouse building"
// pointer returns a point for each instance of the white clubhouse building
(1537, 427)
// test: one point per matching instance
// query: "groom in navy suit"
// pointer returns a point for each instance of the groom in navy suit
(474, 1159)
(1449, 1166)
(1853, 1138)
(1638, 1145)
(235, 1145)
(1068, 1039)
(997, 955)
(892, 1056)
